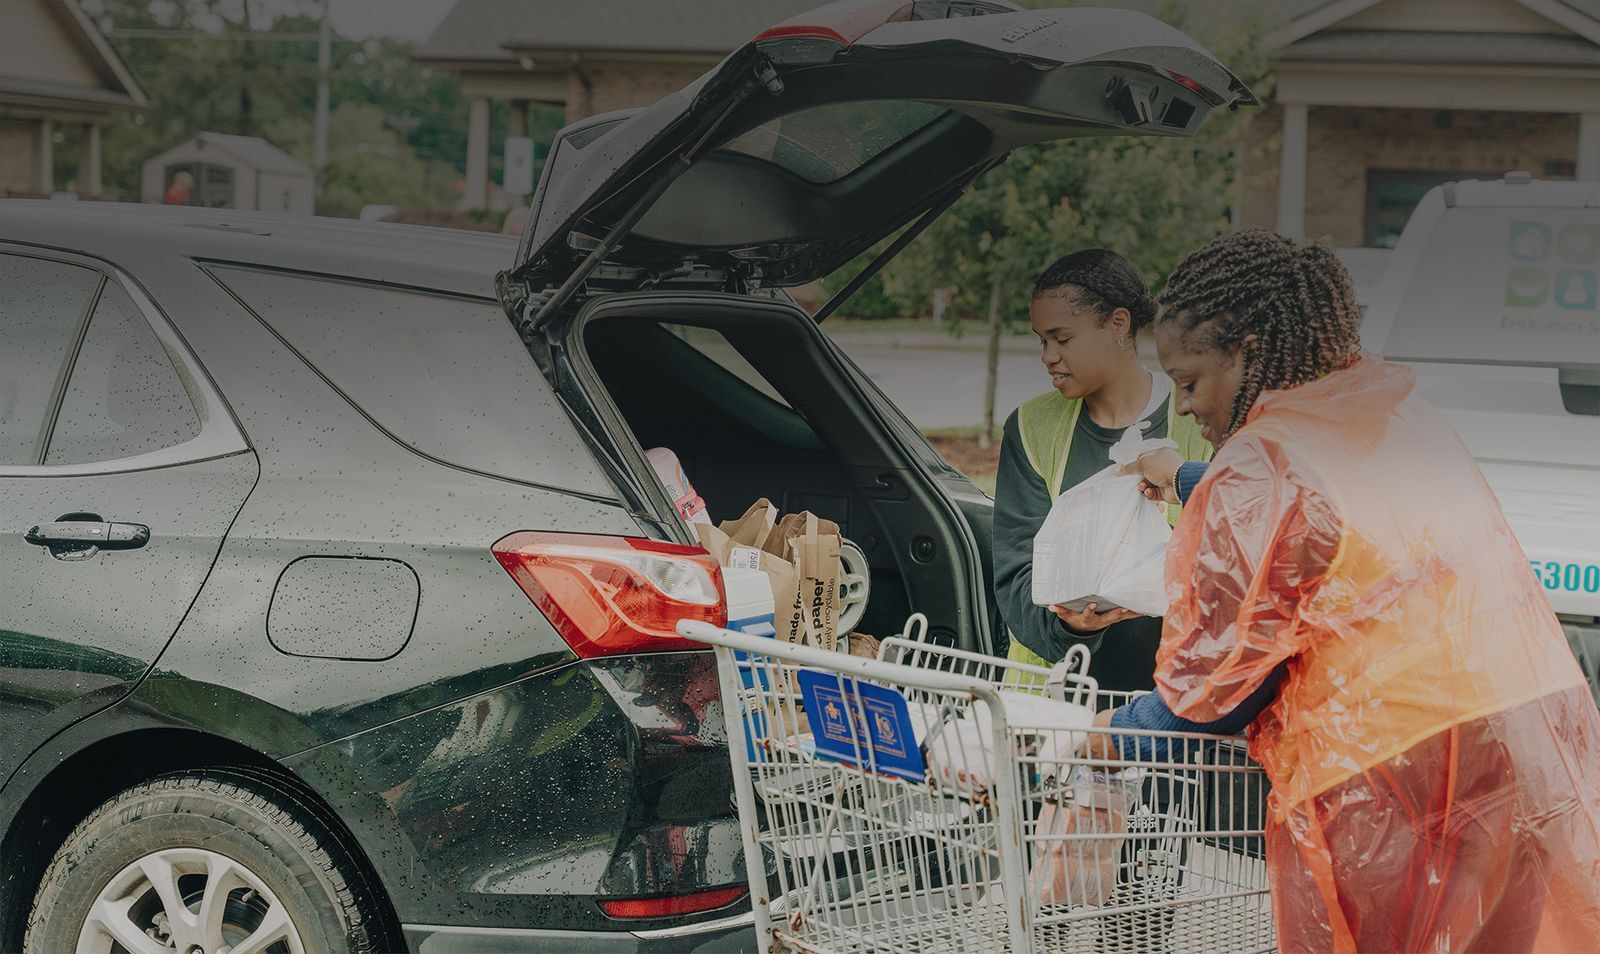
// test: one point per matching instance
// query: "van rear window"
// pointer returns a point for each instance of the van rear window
(1505, 286)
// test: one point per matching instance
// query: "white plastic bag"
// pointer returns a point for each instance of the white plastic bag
(960, 745)
(1103, 542)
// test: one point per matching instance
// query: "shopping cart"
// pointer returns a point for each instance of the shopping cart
(930, 800)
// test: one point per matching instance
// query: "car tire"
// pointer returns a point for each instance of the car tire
(184, 833)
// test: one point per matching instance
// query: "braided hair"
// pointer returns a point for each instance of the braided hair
(1102, 281)
(1294, 297)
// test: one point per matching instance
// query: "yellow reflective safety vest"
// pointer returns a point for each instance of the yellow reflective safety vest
(1046, 424)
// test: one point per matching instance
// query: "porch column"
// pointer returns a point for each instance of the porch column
(1589, 147)
(517, 121)
(44, 158)
(89, 161)
(477, 196)
(1292, 172)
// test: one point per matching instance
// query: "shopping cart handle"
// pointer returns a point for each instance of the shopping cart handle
(836, 662)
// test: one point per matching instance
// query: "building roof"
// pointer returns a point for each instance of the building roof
(1303, 18)
(1407, 46)
(1589, 8)
(250, 150)
(63, 91)
(65, 21)
(106, 58)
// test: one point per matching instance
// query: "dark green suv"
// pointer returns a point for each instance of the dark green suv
(337, 608)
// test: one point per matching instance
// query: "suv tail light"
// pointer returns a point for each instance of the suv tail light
(676, 904)
(613, 595)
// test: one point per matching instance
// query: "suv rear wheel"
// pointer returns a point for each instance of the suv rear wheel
(206, 863)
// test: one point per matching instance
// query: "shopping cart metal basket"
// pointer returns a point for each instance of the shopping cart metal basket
(940, 800)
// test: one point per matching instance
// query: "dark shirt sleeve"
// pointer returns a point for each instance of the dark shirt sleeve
(1021, 502)
(1150, 712)
(1189, 475)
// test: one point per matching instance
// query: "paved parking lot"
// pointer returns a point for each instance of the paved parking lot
(938, 380)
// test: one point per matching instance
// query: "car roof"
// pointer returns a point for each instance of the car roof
(1519, 190)
(450, 260)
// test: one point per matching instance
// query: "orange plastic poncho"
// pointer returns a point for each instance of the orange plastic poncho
(1433, 751)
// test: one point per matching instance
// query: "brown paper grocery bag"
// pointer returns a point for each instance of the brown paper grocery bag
(752, 529)
(737, 542)
(860, 644)
(812, 545)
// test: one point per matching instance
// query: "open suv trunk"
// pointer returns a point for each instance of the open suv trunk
(753, 399)
(648, 284)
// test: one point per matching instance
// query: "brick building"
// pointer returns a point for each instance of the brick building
(56, 73)
(583, 57)
(1374, 101)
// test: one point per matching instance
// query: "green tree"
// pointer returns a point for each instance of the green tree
(1152, 198)
(398, 131)
(368, 161)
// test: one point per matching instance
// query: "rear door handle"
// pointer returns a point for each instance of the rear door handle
(79, 536)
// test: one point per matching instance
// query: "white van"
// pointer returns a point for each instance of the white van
(1493, 297)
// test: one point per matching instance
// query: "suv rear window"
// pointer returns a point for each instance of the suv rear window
(1505, 286)
(444, 375)
(827, 143)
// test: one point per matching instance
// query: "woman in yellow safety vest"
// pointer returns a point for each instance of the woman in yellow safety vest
(1343, 579)
(1087, 310)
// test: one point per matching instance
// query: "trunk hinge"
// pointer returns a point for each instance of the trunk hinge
(768, 77)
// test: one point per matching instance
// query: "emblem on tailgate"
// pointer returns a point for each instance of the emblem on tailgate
(1012, 36)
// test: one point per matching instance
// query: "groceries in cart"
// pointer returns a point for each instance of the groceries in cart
(948, 801)
(960, 742)
(1103, 542)
(1082, 810)
(1080, 831)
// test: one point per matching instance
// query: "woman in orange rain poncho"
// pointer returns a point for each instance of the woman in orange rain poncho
(1343, 570)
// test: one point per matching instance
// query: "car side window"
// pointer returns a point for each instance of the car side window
(124, 397)
(42, 304)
